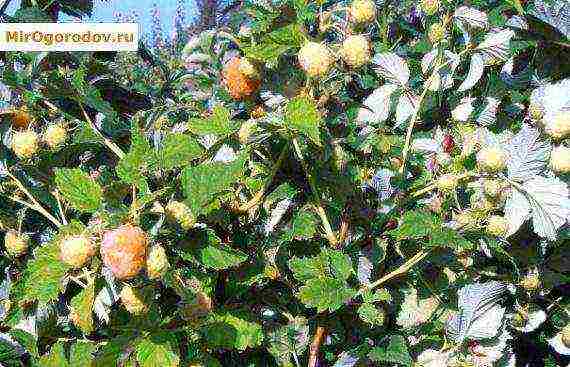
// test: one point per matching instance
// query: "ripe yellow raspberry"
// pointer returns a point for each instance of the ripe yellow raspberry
(16, 243)
(239, 85)
(25, 144)
(560, 159)
(156, 262)
(76, 251)
(247, 68)
(447, 182)
(536, 111)
(123, 250)
(436, 33)
(492, 159)
(497, 226)
(559, 127)
(430, 7)
(565, 333)
(55, 135)
(362, 11)
(180, 213)
(246, 130)
(531, 282)
(133, 300)
(465, 220)
(356, 50)
(315, 58)
(493, 188)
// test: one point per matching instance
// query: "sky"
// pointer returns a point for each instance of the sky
(104, 10)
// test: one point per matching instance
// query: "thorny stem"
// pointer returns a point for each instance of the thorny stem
(433, 186)
(331, 237)
(315, 346)
(404, 268)
(259, 195)
(34, 205)
(414, 117)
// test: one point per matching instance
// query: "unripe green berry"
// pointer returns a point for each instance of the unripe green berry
(430, 7)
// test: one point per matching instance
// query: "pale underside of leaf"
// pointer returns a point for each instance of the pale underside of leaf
(376, 107)
(392, 67)
(407, 104)
(528, 154)
(476, 68)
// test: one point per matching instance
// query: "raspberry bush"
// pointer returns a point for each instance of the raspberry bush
(366, 183)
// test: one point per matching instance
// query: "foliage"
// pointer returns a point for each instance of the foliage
(413, 210)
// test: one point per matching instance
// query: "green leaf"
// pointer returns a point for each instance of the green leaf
(308, 268)
(81, 354)
(340, 264)
(82, 305)
(201, 183)
(9, 354)
(55, 357)
(275, 44)
(137, 161)
(31, 15)
(415, 225)
(42, 278)
(325, 294)
(25, 339)
(395, 352)
(218, 123)
(371, 314)
(110, 352)
(303, 226)
(83, 193)
(232, 330)
(302, 114)
(288, 340)
(157, 351)
(447, 237)
(179, 150)
(221, 257)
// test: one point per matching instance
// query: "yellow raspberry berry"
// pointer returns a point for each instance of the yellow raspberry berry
(156, 262)
(239, 85)
(497, 226)
(25, 144)
(246, 130)
(536, 111)
(559, 127)
(447, 182)
(247, 68)
(55, 135)
(430, 7)
(492, 159)
(16, 243)
(76, 251)
(531, 282)
(492, 187)
(315, 58)
(560, 159)
(465, 220)
(436, 33)
(356, 50)
(362, 11)
(133, 300)
(565, 335)
(123, 250)
(181, 214)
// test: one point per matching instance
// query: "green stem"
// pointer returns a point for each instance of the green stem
(259, 195)
(34, 205)
(403, 269)
(331, 237)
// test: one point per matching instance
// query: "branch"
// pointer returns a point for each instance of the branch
(315, 346)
